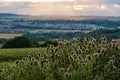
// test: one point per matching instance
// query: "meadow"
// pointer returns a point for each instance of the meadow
(11, 55)
(82, 59)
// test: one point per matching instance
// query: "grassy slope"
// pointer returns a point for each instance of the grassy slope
(10, 55)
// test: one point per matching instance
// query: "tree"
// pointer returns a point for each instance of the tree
(2, 41)
(20, 42)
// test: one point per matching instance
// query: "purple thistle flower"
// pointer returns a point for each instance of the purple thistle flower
(89, 56)
(66, 73)
(96, 78)
(60, 43)
(36, 57)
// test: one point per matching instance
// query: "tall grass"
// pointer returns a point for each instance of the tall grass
(83, 59)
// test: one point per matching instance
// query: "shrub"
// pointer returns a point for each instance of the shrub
(20, 42)
(2, 41)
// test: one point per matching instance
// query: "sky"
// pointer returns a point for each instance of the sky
(61, 7)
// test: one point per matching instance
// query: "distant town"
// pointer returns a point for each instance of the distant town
(43, 28)
(12, 23)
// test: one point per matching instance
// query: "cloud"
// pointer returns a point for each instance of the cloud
(48, 9)
(116, 6)
(80, 7)
(14, 7)
(62, 7)
(5, 4)
(111, 1)
(36, 0)
(101, 7)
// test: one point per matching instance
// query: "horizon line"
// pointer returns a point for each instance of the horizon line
(61, 15)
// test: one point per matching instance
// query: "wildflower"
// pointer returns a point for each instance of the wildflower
(17, 61)
(0, 71)
(60, 43)
(56, 49)
(42, 62)
(51, 46)
(89, 56)
(79, 57)
(103, 50)
(46, 60)
(114, 41)
(45, 55)
(96, 78)
(36, 57)
(104, 38)
(52, 55)
(59, 62)
(29, 53)
(83, 60)
(113, 56)
(97, 54)
(99, 51)
(66, 73)
(93, 45)
(33, 63)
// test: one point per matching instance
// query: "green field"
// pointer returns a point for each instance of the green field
(10, 55)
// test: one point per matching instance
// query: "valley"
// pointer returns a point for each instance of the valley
(60, 26)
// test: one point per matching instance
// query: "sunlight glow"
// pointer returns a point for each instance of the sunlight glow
(60, 7)
(117, 6)
(37, 0)
(80, 7)
(101, 7)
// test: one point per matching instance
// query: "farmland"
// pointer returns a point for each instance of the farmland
(9, 36)
(23, 24)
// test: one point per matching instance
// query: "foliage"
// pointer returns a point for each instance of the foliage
(105, 23)
(20, 42)
(2, 41)
(110, 34)
(55, 35)
(83, 59)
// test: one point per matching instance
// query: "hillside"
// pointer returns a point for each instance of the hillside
(110, 34)
(60, 17)
(84, 59)
(8, 14)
